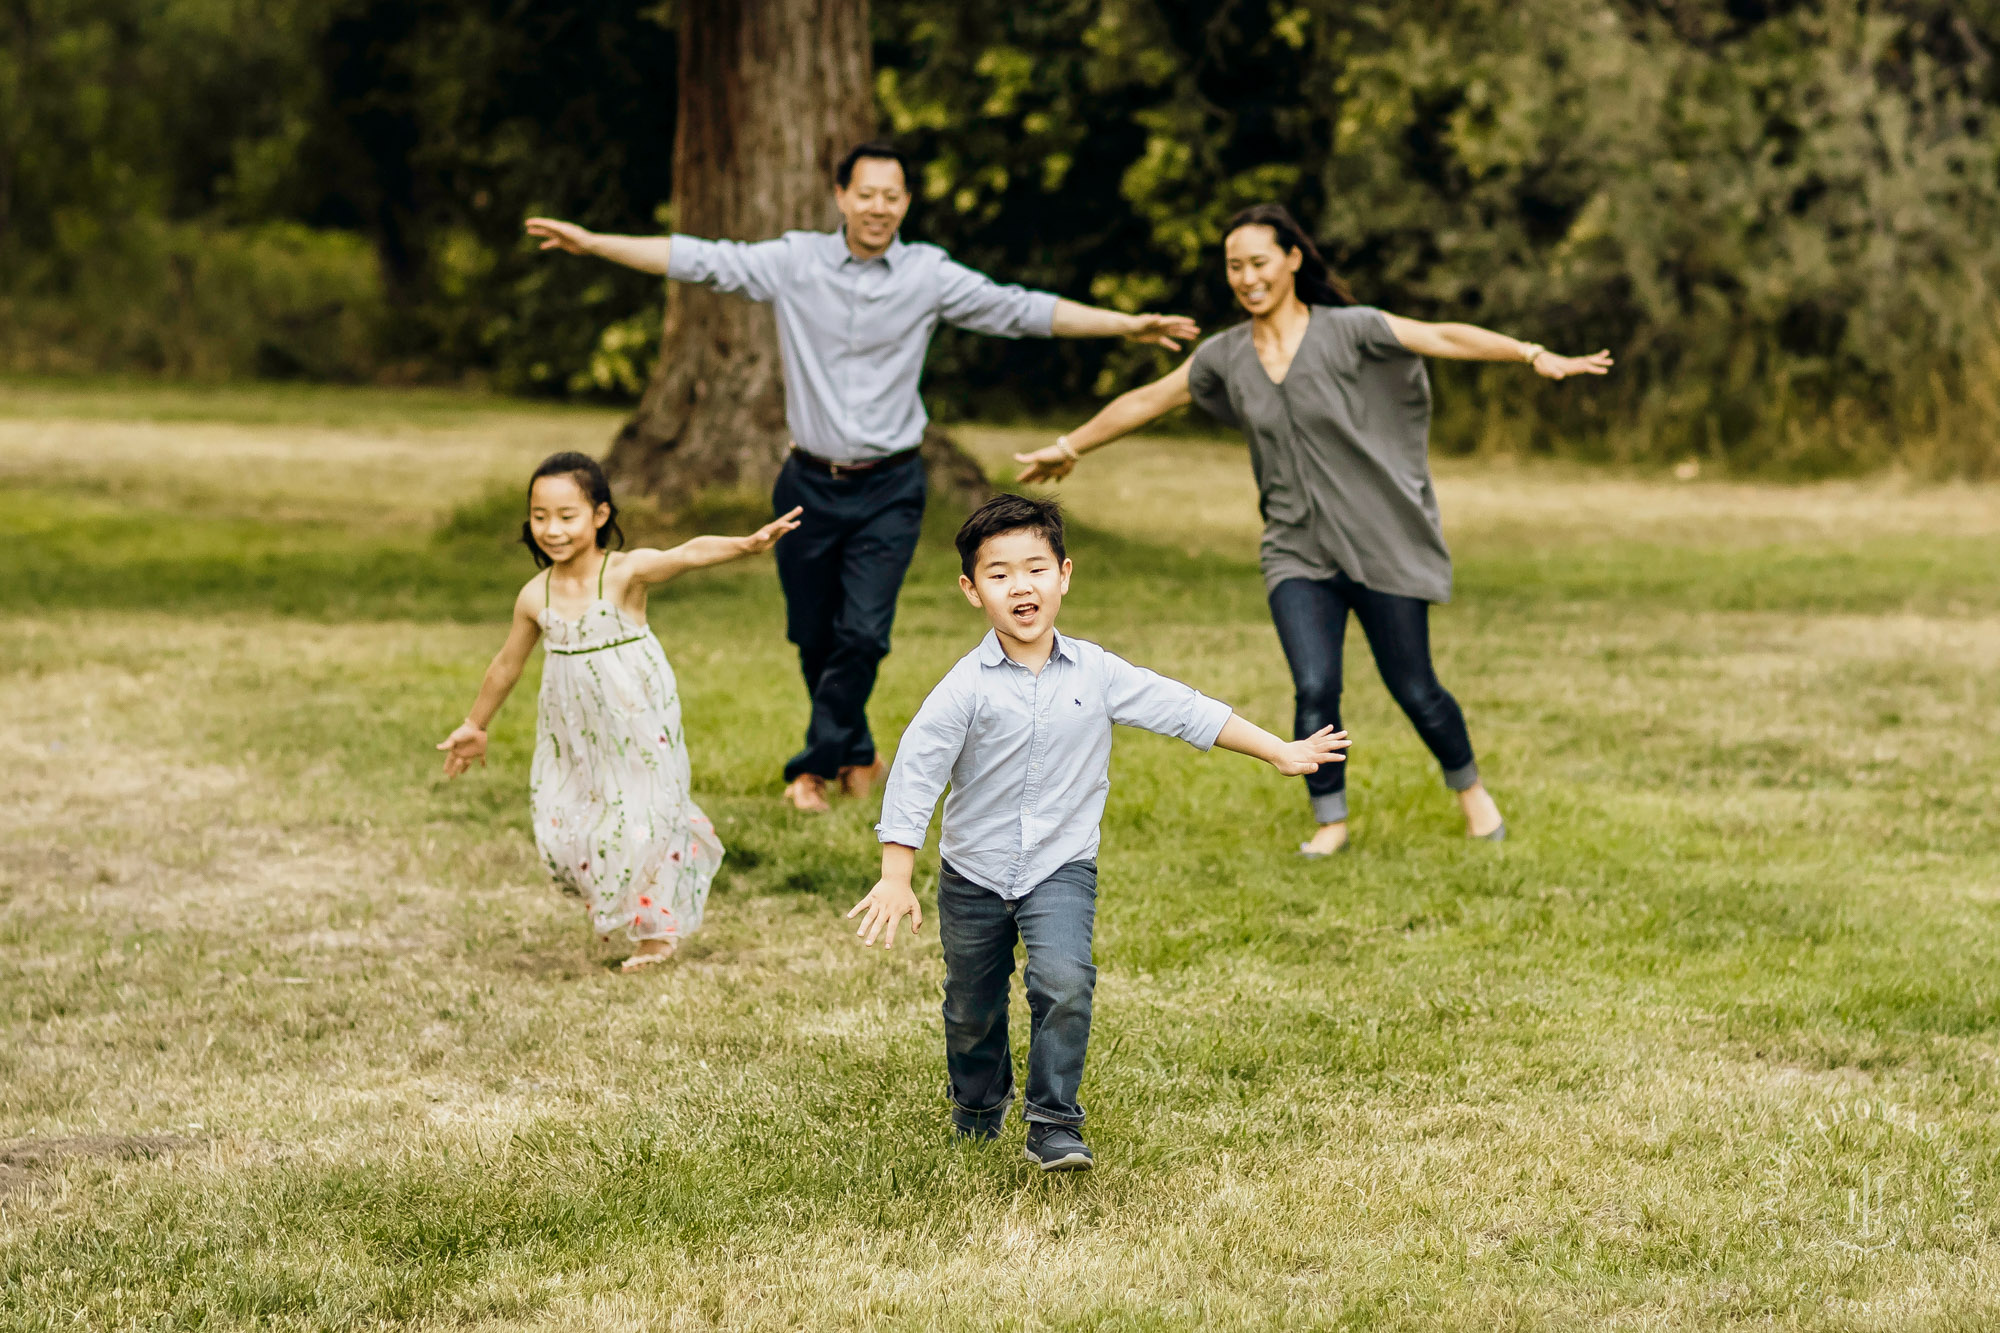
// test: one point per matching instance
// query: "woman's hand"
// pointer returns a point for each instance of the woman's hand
(1552, 367)
(462, 747)
(764, 538)
(1297, 758)
(1050, 464)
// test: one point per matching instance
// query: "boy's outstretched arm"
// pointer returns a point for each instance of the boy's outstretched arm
(1292, 758)
(891, 899)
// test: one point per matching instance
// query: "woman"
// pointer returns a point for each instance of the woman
(1337, 408)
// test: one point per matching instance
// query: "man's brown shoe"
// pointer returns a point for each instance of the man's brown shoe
(807, 792)
(859, 779)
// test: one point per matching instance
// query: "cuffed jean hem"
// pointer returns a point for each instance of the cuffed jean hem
(974, 1121)
(1330, 808)
(1035, 1115)
(1462, 779)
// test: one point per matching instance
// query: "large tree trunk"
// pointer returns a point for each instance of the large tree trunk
(772, 92)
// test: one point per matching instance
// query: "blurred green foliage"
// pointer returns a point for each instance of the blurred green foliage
(1779, 215)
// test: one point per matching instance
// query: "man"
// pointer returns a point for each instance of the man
(856, 309)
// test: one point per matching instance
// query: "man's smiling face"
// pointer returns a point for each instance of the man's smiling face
(872, 204)
(1019, 583)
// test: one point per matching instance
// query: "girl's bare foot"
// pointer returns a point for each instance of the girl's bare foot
(1329, 839)
(649, 954)
(1482, 816)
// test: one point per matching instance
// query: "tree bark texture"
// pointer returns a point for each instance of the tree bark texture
(772, 92)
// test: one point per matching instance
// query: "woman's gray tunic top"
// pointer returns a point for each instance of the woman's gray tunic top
(1340, 449)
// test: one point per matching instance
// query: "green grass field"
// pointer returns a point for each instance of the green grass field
(296, 1037)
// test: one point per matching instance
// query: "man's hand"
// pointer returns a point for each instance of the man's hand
(1168, 331)
(555, 235)
(1552, 367)
(887, 903)
(462, 747)
(1295, 758)
(764, 538)
(1047, 464)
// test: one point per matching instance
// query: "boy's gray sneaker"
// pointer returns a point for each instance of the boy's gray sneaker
(1057, 1148)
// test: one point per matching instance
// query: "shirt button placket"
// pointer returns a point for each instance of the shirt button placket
(1038, 748)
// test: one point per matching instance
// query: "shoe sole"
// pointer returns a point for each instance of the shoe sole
(1076, 1161)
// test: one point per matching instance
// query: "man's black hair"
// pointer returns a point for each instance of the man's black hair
(1009, 513)
(843, 172)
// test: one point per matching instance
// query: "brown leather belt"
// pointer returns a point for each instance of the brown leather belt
(835, 470)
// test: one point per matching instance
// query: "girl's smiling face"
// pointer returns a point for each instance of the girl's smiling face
(562, 518)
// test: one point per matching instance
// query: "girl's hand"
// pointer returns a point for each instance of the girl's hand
(1296, 758)
(1050, 464)
(462, 747)
(764, 538)
(886, 904)
(1552, 367)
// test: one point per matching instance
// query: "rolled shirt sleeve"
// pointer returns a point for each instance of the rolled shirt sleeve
(925, 757)
(1136, 697)
(753, 269)
(971, 300)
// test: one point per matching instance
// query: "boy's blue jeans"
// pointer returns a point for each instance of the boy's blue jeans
(977, 929)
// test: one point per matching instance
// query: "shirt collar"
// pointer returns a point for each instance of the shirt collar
(992, 654)
(838, 254)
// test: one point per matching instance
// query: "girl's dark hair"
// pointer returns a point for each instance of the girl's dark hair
(590, 479)
(1315, 283)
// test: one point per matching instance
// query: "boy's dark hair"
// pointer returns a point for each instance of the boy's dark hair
(1009, 513)
(1315, 283)
(843, 171)
(590, 479)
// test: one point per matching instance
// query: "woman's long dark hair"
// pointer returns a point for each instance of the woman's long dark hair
(590, 479)
(1315, 283)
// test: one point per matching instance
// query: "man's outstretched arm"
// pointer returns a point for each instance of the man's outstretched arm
(648, 254)
(1088, 321)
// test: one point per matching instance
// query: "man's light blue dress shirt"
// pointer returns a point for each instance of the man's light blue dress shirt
(853, 332)
(1028, 757)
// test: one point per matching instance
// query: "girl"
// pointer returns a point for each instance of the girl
(614, 820)
(1334, 400)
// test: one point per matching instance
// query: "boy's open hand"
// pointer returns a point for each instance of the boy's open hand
(886, 904)
(1299, 757)
(461, 748)
(764, 538)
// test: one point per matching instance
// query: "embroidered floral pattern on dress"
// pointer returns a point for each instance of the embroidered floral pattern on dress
(610, 786)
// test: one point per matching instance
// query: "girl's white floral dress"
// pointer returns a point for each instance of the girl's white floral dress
(614, 819)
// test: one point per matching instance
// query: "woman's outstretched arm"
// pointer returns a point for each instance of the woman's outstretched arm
(1121, 416)
(1469, 342)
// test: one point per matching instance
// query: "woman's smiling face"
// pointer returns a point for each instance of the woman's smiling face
(1260, 270)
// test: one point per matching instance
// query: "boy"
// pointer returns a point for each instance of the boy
(1021, 728)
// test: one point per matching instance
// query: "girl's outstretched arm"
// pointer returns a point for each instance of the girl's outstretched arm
(1121, 416)
(1469, 342)
(468, 743)
(650, 566)
(1292, 758)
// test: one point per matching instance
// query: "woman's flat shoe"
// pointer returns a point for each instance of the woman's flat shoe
(1306, 851)
(1497, 835)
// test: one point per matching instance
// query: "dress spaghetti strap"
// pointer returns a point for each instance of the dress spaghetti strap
(602, 565)
(547, 575)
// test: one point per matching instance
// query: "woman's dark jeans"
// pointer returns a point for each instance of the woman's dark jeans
(977, 929)
(1312, 622)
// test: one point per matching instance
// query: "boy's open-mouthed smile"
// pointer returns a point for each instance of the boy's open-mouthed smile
(1018, 581)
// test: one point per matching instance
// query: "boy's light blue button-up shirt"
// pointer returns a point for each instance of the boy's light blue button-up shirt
(853, 332)
(1028, 757)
